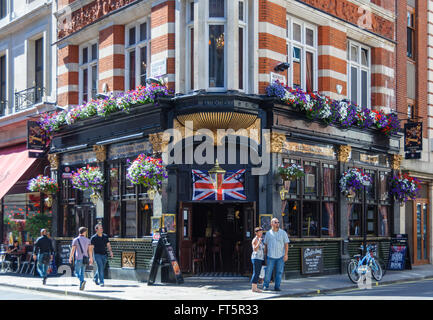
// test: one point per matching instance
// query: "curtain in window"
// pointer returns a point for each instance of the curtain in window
(328, 191)
(383, 221)
(309, 75)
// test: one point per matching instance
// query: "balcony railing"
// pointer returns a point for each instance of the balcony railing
(3, 108)
(25, 99)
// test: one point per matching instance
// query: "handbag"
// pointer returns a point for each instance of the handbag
(85, 258)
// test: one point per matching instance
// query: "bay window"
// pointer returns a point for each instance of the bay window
(88, 72)
(358, 70)
(301, 54)
(137, 54)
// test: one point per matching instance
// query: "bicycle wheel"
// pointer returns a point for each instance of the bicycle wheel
(382, 264)
(376, 269)
(352, 271)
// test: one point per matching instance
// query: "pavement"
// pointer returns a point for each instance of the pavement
(194, 288)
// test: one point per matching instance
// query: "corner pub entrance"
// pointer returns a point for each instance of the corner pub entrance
(216, 237)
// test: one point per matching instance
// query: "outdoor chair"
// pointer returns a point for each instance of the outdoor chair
(26, 264)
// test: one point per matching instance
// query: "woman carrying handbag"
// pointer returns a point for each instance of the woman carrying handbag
(257, 258)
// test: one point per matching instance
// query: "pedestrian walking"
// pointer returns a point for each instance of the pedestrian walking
(276, 249)
(82, 251)
(257, 258)
(43, 251)
(100, 242)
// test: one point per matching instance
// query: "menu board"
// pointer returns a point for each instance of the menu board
(397, 257)
(312, 260)
(65, 251)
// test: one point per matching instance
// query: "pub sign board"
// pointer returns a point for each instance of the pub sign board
(35, 138)
(413, 136)
(312, 260)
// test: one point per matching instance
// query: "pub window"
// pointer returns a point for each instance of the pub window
(217, 49)
(130, 219)
(358, 70)
(311, 208)
(302, 54)
(372, 220)
(411, 33)
(88, 72)
(137, 54)
(355, 219)
(384, 221)
(114, 219)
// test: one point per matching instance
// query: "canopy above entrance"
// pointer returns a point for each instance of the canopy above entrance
(14, 162)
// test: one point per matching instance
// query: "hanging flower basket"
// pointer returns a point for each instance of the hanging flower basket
(403, 188)
(353, 180)
(291, 172)
(147, 171)
(43, 184)
(89, 178)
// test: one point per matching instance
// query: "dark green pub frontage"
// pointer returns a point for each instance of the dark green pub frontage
(214, 236)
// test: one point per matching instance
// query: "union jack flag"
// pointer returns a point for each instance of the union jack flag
(232, 187)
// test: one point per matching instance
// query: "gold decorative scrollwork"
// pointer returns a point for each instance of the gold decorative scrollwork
(128, 259)
(54, 161)
(396, 161)
(277, 142)
(344, 153)
(158, 141)
(101, 153)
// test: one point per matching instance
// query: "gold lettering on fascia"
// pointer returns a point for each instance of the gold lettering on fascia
(306, 148)
(85, 157)
(369, 159)
(129, 149)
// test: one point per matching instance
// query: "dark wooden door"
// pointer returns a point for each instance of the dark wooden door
(185, 237)
(248, 236)
(421, 233)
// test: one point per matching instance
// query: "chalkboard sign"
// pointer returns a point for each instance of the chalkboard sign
(164, 256)
(397, 257)
(399, 253)
(312, 260)
(65, 251)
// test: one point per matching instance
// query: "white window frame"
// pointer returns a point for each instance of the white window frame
(137, 47)
(360, 67)
(189, 25)
(88, 65)
(244, 25)
(304, 48)
(216, 21)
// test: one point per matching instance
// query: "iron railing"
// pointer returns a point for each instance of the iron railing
(27, 98)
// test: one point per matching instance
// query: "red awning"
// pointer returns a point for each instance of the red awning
(14, 161)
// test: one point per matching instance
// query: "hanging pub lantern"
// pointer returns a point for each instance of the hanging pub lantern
(217, 175)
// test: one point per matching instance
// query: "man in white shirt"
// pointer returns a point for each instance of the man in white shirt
(276, 249)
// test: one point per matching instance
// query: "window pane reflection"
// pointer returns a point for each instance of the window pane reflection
(310, 221)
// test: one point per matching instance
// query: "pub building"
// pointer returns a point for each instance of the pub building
(313, 211)
(218, 67)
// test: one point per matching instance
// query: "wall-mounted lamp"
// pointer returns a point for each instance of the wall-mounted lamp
(282, 66)
(339, 88)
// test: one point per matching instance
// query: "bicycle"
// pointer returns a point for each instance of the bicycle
(357, 266)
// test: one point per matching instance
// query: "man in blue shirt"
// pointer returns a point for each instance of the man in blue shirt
(276, 248)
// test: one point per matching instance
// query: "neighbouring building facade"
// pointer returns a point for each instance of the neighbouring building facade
(218, 57)
(413, 104)
(27, 89)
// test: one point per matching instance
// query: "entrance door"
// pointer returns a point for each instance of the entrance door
(421, 235)
(249, 225)
(185, 237)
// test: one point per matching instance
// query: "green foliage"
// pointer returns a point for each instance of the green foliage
(38, 222)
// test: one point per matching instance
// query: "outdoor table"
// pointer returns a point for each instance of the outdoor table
(18, 256)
